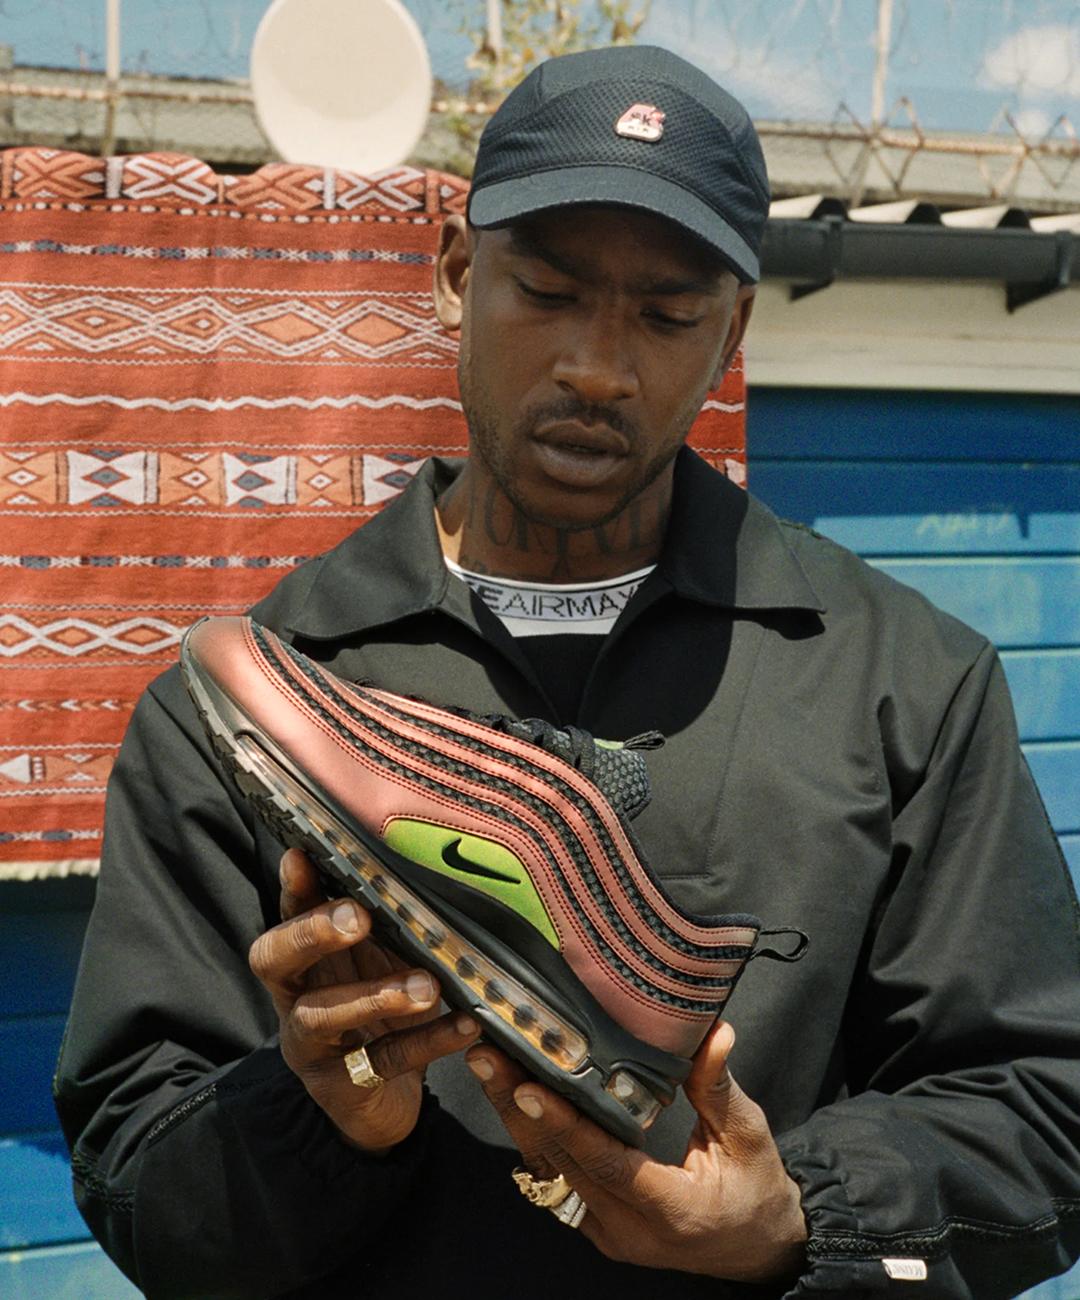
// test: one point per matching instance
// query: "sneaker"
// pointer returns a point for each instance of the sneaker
(495, 853)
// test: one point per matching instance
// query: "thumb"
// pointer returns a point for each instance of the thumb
(723, 1108)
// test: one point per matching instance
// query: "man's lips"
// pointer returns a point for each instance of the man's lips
(569, 435)
(577, 455)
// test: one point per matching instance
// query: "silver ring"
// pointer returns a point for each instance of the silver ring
(571, 1211)
(361, 1071)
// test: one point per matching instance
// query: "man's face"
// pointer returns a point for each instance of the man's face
(590, 338)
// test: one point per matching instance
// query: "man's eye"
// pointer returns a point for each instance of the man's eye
(538, 295)
(672, 322)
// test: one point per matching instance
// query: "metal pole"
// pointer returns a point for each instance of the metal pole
(112, 74)
(877, 100)
(495, 37)
(881, 71)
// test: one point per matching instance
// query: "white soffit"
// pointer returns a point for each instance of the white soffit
(897, 213)
(914, 334)
(799, 208)
(1059, 221)
(988, 218)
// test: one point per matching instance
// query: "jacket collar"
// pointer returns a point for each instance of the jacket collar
(723, 548)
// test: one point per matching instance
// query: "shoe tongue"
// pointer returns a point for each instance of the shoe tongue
(623, 776)
(617, 768)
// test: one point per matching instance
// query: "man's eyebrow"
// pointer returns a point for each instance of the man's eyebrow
(527, 243)
(705, 283)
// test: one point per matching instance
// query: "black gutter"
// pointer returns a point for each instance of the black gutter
(814, 253)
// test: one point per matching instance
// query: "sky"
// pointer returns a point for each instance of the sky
(959, 61)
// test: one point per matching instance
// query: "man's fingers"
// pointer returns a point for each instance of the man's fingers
(325, 1015)
(554, 1137)
(725, 1111)
(281, 957)
(300, 886)
(499, 1076)
(415, 1049)
(575, 1145)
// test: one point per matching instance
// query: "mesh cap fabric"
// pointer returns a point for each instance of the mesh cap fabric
(561, 138)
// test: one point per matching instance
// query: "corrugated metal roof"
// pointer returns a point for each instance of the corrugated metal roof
(920, 212)
(952, 170)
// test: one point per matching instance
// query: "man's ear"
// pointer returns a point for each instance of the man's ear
(740, 318)
(453, 262)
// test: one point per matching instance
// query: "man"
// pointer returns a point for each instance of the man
(840, 756)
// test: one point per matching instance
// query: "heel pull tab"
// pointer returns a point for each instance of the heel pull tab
(645, 740)
(796, 954)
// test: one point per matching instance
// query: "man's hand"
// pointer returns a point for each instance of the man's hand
(333, 990)
(729, 1211)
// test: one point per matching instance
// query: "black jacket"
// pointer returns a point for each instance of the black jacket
(841, 757)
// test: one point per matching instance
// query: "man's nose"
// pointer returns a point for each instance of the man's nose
(596, 362)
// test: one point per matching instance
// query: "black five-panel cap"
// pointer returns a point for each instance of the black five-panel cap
(634, 126)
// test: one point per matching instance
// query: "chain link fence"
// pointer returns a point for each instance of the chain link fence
(960, 100)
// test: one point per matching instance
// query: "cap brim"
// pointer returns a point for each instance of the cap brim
(505, 201)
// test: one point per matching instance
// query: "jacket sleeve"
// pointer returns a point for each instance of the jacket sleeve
(958, 1146)
(199, 1160)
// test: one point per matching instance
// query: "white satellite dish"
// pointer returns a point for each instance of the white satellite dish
(341, 83)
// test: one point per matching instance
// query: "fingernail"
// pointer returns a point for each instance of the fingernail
(465, 1025)
(530, 1103)
(345, 919)
(420, 988)
(481, 1067)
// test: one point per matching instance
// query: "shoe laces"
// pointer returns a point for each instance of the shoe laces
(569, 743)
(614, 767)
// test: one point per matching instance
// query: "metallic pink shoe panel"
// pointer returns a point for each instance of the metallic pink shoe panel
(672, 1029)
(681, 924)
(646, 936)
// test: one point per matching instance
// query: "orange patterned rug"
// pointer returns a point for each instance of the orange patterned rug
(203, 380)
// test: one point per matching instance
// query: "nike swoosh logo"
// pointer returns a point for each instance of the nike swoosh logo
(453, 859)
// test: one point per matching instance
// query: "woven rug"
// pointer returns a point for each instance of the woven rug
(204, 380)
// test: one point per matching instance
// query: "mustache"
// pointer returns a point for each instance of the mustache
(572, 408)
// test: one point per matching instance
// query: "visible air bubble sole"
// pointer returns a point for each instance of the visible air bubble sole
(550, 1048)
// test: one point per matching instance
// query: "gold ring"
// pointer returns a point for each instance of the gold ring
(361, 1071)
(549, 1193)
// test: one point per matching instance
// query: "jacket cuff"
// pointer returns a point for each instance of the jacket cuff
(837, 1263)
(273, 1109)
(253, 1171)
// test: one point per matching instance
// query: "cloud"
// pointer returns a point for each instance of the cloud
(1036, 61)
(771, 82)
(1032, 123)
(783, 83)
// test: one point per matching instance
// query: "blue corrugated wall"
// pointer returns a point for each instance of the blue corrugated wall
(44, 1251)
(973, 499)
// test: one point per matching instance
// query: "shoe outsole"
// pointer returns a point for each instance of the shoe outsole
(511, 1016)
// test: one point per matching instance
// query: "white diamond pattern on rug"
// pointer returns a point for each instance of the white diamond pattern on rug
(286, 326)
(384, 478)
(159, 177)
(256, 482)
(380, 187)
(73, 637)
(111, 478)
